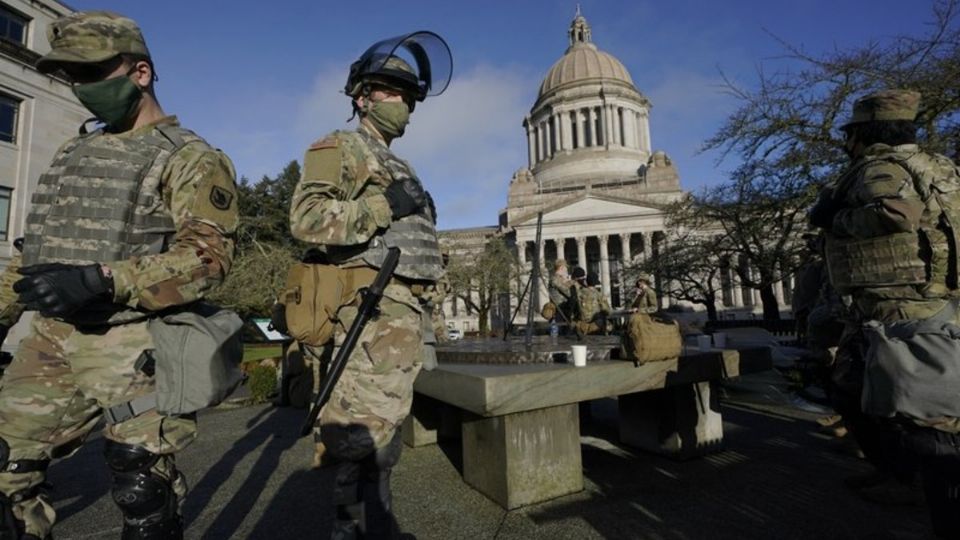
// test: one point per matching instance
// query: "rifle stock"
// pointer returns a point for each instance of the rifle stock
(368, 306)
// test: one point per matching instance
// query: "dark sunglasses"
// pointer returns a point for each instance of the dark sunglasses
(88, 73)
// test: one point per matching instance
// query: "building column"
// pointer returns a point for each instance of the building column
(582, 252)
(648, 144)
(778, 292)
(592, 139)
(615, 113)
(564, 118)
(542, 285)
(522, 254)
(580, 140)
(625, 248)
(647, 246)
(604, 267)
(531, 145)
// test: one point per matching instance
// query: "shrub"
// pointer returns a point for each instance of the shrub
(262, 382)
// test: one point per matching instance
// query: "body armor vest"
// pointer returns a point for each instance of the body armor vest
(415, 235)
(926, 258)
(101, 201)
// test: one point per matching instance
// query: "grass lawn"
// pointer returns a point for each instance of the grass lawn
(252, 353)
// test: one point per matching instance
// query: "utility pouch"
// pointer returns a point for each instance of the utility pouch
(429, 337)
(314, 293)
(197, 354)
(883, 261)
(651, 339)
(548, 310)
(912, 367)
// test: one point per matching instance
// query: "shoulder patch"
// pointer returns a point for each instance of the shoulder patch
(328, 142)
(220, 198)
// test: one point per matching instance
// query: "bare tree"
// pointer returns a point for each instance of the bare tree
(479, 278)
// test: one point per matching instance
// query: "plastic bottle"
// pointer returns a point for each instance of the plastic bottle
(554, 331)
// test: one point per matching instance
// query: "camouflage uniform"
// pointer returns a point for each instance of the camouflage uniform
(339, 205)
(68, 370)
(593, 310)
(646, 301)
(879, 207)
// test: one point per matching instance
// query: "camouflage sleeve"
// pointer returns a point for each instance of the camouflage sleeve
(882, 201)
(324, 209)
(10, 309)
(199, 188)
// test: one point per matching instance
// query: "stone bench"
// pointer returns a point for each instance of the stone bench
(520, 425)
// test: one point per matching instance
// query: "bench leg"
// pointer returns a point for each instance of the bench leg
(421, 425)
(524, 458)
(679, 422)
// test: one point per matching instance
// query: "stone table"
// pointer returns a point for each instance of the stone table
(520, 424)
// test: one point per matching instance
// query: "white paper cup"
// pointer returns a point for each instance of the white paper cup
(720, 340)
(579, 355)
(703, 342)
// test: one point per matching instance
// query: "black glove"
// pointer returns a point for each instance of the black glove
(824, 210)
(56, 289)
(405, 197)
(4, 330)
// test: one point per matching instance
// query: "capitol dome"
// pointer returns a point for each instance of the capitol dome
(589, 122)
(583, 62)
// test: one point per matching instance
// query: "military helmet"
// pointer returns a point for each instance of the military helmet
(578, 273)
(558, 264)
(885, 105)
(426, 72)
(90, 37)
(645, 278)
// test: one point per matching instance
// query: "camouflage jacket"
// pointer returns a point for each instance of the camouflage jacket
(879, 198)
(339, 200)
(197, 187)
(592, 303)
(646, 301)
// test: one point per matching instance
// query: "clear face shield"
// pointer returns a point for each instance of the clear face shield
(426, 53)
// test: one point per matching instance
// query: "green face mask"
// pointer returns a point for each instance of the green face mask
(389, 117)
(112, 101)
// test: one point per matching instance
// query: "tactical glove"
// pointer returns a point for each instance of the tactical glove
(824, 210)
(432, 207)
(57, 290)
(4, 330)
(405, 197)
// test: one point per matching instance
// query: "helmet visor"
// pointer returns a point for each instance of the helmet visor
(426, 52)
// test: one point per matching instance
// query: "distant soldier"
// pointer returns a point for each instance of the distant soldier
(131, 220)
(594, 308)
(355, 199)
(893, 259)
(646, 300)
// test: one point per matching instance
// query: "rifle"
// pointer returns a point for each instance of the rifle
(368, 308)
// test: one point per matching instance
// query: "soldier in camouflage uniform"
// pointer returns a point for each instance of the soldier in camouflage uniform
(646, 300)
(594, 308)
(355, 198)
(135, 217)
(888, 257)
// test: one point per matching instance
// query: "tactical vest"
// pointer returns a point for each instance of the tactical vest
(925, 258)
(415, 235)
(101, 201)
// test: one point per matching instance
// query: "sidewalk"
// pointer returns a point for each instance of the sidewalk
(777, 478)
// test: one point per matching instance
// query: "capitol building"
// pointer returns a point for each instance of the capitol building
(592, 171)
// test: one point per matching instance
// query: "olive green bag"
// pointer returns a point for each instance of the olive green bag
(651, 339)
(197, 354)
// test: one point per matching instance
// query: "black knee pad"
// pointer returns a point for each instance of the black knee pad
(10, 527)
(147, 501)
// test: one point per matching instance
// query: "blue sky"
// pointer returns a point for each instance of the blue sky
(261, 80)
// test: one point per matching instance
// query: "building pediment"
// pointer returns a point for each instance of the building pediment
(591, 208)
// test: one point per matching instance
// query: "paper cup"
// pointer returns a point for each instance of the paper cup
(703, 342)
(720, 340)
(579, 355)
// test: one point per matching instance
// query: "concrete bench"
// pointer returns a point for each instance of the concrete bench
(521, 429)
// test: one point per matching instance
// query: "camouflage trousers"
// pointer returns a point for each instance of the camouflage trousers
(52, 396)
(375, 392)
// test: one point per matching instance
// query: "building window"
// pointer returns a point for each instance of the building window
(5, 195)
(9, 110)
(13, 26)
(573, 130)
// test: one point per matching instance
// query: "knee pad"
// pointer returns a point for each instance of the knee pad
(10, 527)
(147, 500)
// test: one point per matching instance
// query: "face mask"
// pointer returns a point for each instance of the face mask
(389, 117)
(112, 101)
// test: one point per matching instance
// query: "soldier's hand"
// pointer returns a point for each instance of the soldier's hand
(4, 330)
(432, 207)
(405, 197)
(56, 290)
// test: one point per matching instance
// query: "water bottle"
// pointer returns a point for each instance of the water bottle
(554, 331)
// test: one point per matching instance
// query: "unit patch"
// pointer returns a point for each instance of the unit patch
(220, 198)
